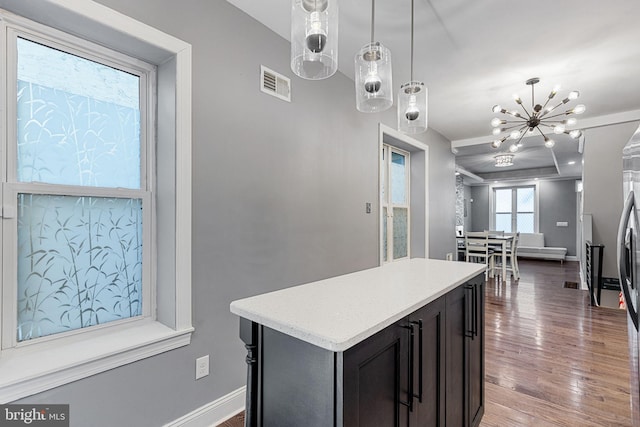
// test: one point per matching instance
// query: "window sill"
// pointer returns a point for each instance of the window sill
(33, 369)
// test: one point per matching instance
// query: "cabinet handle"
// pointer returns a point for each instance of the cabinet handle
(409, 404)
(468, 315)
(420, 350)
(475, 312)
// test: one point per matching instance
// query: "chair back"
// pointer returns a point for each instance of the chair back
(494, 232)
(476, 243)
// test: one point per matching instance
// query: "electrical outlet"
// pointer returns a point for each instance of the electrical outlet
(202, 366)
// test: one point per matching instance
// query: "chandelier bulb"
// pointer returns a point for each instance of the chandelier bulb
(573, 95)
(495, 122)
(513, 148)
(496, 143)
(548, 142)
(579, 109)
(571, 122)
(515, 134)
(497, 109)
(316, 36)
(559, 129)
(373, 83)
(575, 134)
(516, 98)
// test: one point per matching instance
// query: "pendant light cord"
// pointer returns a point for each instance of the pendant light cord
(373, 17)
(411, 41)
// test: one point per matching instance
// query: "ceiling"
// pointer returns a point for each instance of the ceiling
(474, 54)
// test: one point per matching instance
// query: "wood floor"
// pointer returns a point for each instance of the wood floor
(551, 359)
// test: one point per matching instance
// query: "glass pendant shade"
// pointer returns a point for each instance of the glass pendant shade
(374, 88)
(412, 108)
(314, 38)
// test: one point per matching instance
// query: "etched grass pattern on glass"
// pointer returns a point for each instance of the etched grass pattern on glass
(79, 262)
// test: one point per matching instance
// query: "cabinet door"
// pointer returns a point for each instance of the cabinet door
(430, 358)
(456, 323)
(376, 379)
(476, 355)
(465, 354)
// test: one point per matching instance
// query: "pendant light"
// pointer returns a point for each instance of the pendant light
(374, 88)
(314, 38)
(412, 101)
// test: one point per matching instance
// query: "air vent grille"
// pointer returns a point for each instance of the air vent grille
(275, 84)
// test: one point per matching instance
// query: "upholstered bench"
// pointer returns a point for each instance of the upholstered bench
(531, 245)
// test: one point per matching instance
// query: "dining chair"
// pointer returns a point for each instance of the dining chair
(477, 249)
(512, 256)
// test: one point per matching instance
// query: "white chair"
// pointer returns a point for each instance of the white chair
(511, 256)
(477, 249)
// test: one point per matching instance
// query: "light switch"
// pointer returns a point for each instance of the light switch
(562, 224)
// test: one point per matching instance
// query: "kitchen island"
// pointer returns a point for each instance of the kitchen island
(401, 344)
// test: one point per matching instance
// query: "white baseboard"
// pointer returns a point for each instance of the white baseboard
(571, 258)
(214, 413)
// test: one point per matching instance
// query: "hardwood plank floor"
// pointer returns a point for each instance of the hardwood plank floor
(551, 359)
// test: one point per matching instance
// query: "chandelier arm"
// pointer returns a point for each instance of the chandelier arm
(541, 133)
(525, 110)
(520, 139)
(566, 113)
(548, 111)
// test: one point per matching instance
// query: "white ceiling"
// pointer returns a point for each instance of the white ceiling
(474, 54)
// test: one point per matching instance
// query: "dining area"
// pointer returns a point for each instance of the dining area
(494, 248)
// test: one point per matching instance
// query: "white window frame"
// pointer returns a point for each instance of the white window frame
(514, 187)
(386, 201)
(166, 324)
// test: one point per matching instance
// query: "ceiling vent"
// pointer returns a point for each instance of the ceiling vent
(275, 84)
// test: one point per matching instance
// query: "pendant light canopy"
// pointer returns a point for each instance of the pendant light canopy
(314, 38)
(412, 101)
(374, 87)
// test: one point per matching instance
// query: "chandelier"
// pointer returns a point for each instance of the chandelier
(503, 160)
(538, 119)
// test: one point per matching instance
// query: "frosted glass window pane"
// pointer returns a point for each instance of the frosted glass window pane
(503, 200)
(503, 222)
(384, 234)
(400, 232)
(78, 120)
(525, 200)
(398, 179)
(525, 223)
(79, 262)
(383, 189)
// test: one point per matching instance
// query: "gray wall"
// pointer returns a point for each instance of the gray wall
(602, 182)
(557, 202)
(278, 199)
(479, 208)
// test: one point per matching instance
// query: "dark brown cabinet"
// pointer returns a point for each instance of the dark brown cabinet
(465, 354)
(425, 370)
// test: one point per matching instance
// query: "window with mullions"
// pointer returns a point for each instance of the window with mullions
(77, 182)
(514, 209)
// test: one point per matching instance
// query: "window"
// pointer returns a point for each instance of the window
(514, 209)
(395, 203)
(85, 284)
(79, 191)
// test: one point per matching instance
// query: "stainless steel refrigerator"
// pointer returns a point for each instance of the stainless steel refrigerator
(628, 258)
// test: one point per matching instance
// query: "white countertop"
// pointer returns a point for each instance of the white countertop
(339, 312)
